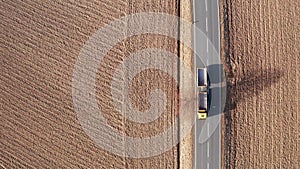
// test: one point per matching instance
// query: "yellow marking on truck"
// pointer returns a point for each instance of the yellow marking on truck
(202, 115)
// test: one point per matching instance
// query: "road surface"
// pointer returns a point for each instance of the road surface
(208, 132)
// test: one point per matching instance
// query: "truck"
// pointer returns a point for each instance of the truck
(203, 93)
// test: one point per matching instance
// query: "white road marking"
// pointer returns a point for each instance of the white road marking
(207, 63)
(207, 149)
(208, 141)
(206, 23)
(207, 46)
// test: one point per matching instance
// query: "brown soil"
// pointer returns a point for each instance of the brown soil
(40, 42)
(261, 52)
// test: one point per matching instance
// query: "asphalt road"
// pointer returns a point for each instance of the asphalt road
(208, 132)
